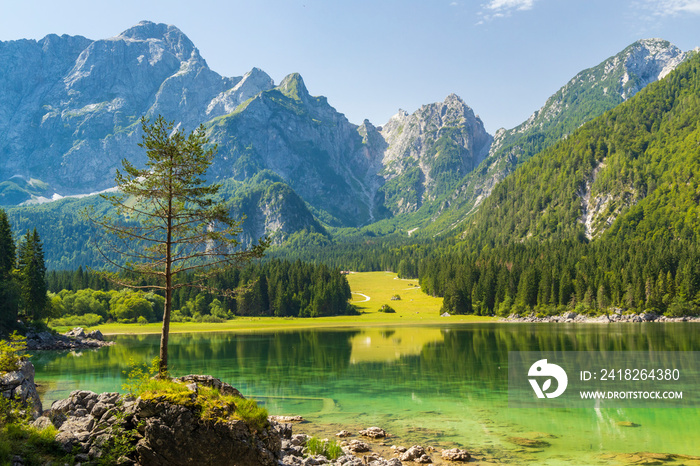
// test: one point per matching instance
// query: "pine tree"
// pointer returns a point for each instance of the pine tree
(32, 272)
(7, 248)
(168, 222)
(9, 291)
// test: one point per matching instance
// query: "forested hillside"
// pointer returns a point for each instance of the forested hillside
(608, 217)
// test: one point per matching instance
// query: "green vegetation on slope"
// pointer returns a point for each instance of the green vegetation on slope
(527, 247)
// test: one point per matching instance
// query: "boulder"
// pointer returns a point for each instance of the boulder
(77, 332)
(456, 454)
(343, 434)
(161, 433)
(176, 436)
(356, 446)
(95, 335)
(20, 385)
(373, 432)
(416, 454)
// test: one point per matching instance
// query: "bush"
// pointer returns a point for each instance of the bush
(85, 320)
(386, 309)
(12, 352)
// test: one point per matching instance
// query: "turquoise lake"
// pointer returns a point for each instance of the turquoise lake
(443, 386)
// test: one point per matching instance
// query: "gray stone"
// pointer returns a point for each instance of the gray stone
(456, 454)
(356, 446)
(416, 453)
(77, 332)
(95, 335)
(373, 432)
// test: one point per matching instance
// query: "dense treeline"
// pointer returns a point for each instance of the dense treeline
(554, 276)
(528, 246)
(279, 288)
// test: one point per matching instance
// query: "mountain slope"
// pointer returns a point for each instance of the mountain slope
(589, 94)
(315, 149)
(271, 209)
(607, 218)
(429, 152)
(632, 171)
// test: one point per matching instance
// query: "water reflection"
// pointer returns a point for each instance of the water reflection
(439, 384)
(387, 345)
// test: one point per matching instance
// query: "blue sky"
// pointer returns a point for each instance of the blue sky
(372, 57)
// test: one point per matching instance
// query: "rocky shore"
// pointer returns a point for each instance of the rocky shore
(71, 340)
(111, 428)
(615, 316)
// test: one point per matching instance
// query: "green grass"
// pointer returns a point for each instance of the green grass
(414, 308)
(328, 448)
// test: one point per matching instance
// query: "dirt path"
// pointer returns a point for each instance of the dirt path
(367, 298)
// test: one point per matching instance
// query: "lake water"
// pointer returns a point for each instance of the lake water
(444, 386)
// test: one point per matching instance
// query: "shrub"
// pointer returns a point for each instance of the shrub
(386, 309)
(85, 320)
(12, 352)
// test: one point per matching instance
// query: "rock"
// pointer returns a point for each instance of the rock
(456, 454)
(20, 385)
(211, 382)
(95, 335)
(349, 460)
(648, 316)
(42, 422)
(162, 433)
(373, 432)
(76, 332)
(287, 418)
(416, 454)
(300, 439)
(343, 434)
(283, 429)
(445, 314)
(570, 315)
(356, 446)
(528, 442)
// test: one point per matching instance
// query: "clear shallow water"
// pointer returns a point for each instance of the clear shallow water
(444, 386)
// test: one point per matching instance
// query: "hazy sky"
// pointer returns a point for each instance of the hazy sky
(372, 57)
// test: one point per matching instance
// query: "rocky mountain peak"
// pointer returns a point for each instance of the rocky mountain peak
(174, 39)
(646, 61)
(293, 87)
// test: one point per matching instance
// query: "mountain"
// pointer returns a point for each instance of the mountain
(586, 96)
(71, 109)
(607, 217)
(625, 166)
(70, 106)
(313, 148)
(429, 152)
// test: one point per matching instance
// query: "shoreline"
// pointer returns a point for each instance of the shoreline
(274, 324)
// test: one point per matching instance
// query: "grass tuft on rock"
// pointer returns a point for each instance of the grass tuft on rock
(209, 403)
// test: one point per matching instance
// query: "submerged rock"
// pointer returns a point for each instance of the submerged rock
(373, 432)
(529, 442)
(456, 454)
(416, 454)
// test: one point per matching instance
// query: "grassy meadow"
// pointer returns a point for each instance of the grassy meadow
(414, 308)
